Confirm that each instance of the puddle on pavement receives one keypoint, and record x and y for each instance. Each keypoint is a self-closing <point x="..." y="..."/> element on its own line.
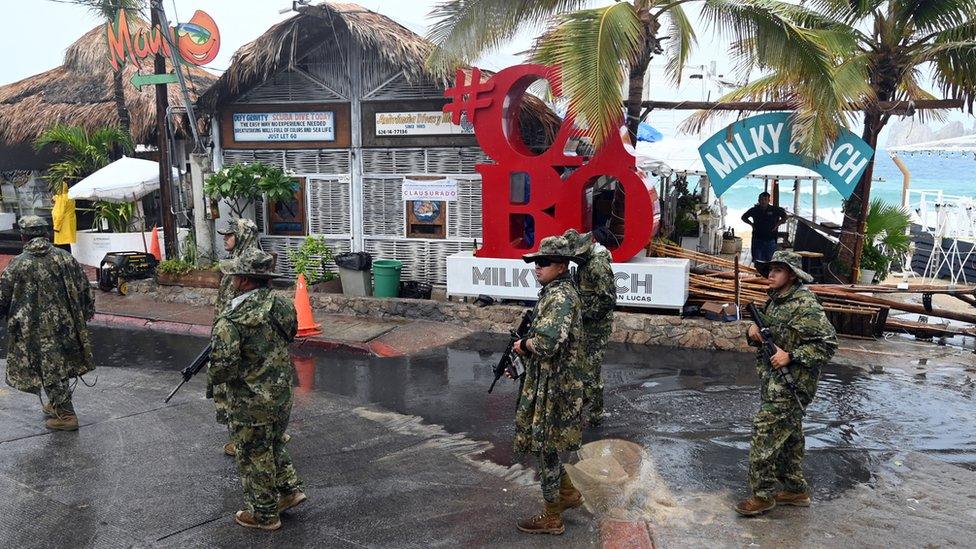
<point x="691" y="410"/>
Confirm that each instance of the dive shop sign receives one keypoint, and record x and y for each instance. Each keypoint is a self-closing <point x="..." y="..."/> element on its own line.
<point x="641" y="282"/>
<point x="766" y="140"/>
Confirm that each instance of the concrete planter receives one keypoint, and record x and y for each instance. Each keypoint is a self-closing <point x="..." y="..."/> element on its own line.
<point x="333" y="286"/>
<point x="193" y="279"/>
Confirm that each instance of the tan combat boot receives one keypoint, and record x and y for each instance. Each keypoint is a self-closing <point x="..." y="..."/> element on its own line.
<point x="230" y="449"/>
<point x="754" y="506"/>
<point x="291" y="500"/>
<point x="547" y="522"/>
<point x="796" y="499"/>
<point x="48" y="410"/>
<point x="569" y="496"/>
<point x="63" y="422"/>
<point x="247" y="520"/>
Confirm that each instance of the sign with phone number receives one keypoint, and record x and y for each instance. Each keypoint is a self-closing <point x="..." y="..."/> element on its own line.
<point x="399" y="124"/>
<point x="284" y="126"/>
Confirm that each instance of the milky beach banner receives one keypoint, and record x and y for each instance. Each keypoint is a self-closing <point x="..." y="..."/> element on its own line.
<point x="767" y="139"/>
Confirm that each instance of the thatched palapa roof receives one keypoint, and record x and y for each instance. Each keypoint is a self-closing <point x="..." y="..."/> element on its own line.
<point x="79" y="92"/>
<point x="286" y="42"/>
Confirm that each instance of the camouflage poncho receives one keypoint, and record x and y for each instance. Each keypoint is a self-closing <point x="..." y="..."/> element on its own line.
<point x="800" y="327"/>
<point x="250" y="355"/>
<point x="548" y="415"/>
<point x="597" y="291"/>
<point x="245" y="238"/>
<point x="47" y="300"/>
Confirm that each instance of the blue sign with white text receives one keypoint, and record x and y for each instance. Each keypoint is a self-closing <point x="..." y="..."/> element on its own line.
<point x="766" y="140"/>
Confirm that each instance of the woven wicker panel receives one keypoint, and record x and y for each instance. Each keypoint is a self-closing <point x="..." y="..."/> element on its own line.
<point x="402" y="89"/>
<point x="232" y="157"/>
<point x="423" y="260"/>
<point x="303" y="162"/>
<point x="271" y="158"/>
<point x="444" y="160"/>
<point x="464" y="216"/>
<point x="329" y="212"/>
<point x="289" y="86"/>
<point x="259" y="213"/>
<point x="282" y="245"/>
<point x="379" y="161"/>
<point x="383" y="206"/>
<point x="410" y="161"/>
<point x="334" y="161"/>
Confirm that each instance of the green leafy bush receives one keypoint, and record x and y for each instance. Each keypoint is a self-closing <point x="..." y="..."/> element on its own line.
<point x="886" y="237"/>
<point x="118" y="215"/>
<point x="175" y="267"/>
<point x="311" y="260"/>
<point x="241" y="184"/>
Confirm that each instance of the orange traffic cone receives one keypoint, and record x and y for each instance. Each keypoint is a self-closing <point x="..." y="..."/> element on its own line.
<point x="306" y="324"/>
<point x="305" y="368"/>
<point x="154" y="245"/>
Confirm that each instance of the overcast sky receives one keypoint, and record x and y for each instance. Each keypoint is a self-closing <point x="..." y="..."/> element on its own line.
<point x="36" y="33"/>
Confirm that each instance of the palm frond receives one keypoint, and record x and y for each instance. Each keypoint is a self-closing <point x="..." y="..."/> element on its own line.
<point x="72" y="138"/>
<point x="887" y="226"/>
<point x="592" y="48"/>
<point x="933" y="16"/>
<point x="681" y="40"/>
<point x="464" y="29"/>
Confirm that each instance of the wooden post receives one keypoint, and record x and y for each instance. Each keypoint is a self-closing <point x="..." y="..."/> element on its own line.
<point x="775" y="192"/>
<point x="905" y="179"/>
<point x="738" y="312"/>
<point x="165" y="171"/>
<point x="813" y="217"/>
<point x="796" y="197"/>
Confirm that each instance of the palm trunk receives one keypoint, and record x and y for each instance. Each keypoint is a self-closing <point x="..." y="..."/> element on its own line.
<point x="118" y="95"/>
<point x="635" y="86"/>
<point x="856" y="208"/>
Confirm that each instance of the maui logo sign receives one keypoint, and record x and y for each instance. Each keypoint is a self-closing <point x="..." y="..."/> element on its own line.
<point x="198" y="40"/>
<point x="766" y="140"/>
<point x="528" y="195"/>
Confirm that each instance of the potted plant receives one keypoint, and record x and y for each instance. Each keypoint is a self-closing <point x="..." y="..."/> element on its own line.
<point x="191" y="269"/>
<point x="241" y="184"/>
<point x="886" y="238"/>
<point x="314" y="260"/>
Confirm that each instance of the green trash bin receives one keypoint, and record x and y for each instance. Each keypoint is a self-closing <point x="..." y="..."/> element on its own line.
<point x="386" y="277"/>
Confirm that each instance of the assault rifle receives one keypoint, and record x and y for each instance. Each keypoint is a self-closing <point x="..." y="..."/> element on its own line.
<point x="192" y="370"/>
<point x="510" y="362"/>
<point x="768" y="349"/>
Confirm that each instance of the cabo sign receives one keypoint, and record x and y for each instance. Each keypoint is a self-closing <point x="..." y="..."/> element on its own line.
<point x="767" y="140"/>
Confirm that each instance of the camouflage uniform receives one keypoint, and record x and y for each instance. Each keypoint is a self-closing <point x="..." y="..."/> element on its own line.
<point x="250" y="355"/>
<point x="245" y="239"/>
<point x="547" y="420"/>
<point x="598" y="294"/>
<point x="47" y="300"/>
<point x="800" y="327"/>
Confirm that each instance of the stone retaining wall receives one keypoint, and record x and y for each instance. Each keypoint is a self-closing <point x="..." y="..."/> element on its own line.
<point x="636" y="328"/>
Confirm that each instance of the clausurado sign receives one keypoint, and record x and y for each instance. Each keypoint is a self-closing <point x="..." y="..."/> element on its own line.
<point x="641" y="282"/>
<point x="766" y="140"/>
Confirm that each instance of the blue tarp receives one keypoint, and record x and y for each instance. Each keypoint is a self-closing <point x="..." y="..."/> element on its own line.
<point x="646" y="132"/>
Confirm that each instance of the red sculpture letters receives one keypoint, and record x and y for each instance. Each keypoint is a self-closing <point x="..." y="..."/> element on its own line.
<point x="528" y="196"/>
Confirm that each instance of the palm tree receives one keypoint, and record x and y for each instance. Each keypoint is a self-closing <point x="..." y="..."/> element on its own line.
<point x="881" y="51"/>
<point x="593" y="47"/>
<point x="82" y="152"/>
<point x="109" y="9"/>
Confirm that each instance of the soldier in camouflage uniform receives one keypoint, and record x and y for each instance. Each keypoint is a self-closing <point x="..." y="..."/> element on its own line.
<point x="547" y="420"/>
<point x="48" y="301"/>
<point x="598" y="294"/>
<point x="805" y="341"/>
<point x="240" y="236"/>
<point x="250" y="355"/>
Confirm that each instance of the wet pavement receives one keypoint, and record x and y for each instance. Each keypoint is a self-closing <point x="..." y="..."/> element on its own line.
<point x="411" y="451"/>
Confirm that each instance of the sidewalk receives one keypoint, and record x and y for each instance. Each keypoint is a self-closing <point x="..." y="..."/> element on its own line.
<point x="376" y="337"/>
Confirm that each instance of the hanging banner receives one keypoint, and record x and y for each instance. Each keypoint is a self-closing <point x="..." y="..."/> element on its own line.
<point x="284" y="126"/>
<point x="445" y="190"/>
<point x="766" y="140"/>
<point x="197" y="40"/>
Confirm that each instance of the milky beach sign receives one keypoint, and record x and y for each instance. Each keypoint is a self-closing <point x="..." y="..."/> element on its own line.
<point x="766" y="140"/>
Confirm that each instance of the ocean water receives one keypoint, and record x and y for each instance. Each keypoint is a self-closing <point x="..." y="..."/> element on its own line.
<point x="954" y="176"/>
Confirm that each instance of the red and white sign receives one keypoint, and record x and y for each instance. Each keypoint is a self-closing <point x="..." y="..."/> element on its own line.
<point x="444" y="190"/>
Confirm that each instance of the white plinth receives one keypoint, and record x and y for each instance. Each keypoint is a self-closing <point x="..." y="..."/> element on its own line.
<point x="641" y="282"/>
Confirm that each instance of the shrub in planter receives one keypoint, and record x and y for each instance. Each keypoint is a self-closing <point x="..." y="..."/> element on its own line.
<point x="177" y="272"/>
<point x="313" y="259"/>
<point x="885" y="237"/>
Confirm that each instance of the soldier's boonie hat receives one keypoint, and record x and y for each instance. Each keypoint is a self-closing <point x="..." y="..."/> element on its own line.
<point x="254" y="263"/>
<point x="581" y="243"/>
<point x="792" y="262"/>
<point x="236" y="226"/>
<point x="554" y="248"/>
<point x="32" y="224"/>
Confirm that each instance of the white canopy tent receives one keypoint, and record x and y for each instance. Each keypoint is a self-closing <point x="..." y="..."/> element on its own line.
<point x="125" y="180"/>
<point x="955" y="145"/>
